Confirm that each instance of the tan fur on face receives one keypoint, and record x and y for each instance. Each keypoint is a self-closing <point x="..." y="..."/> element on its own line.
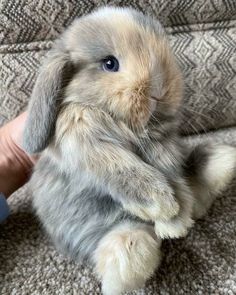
<point x="173" y="83"/>
<point x="147" y="73"/>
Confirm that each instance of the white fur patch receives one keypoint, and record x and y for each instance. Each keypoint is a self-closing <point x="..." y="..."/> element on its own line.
<point x="176" y="228"/>
<point x="220" y="168"/>
<point x="112" y="12"/>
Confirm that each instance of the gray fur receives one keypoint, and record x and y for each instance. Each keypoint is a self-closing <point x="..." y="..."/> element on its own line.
<point x="205" y="189"/>
<point x="148" y="23"/>
<point x="44" y="102"/>
<point x="74" y="217"/>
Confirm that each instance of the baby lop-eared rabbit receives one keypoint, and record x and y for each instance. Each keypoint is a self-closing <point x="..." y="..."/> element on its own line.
<point x="113" y="178"/>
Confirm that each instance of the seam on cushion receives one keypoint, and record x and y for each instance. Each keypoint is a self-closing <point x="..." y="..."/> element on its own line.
<point x="207" y="23"/>
<point x="185" y="28"/>
<point x="209" y="130"/>
<point x="172" y="30"/>
<point x="24" y="47"/>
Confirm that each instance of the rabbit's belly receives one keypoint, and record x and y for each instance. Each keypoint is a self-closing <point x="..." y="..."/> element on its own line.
<point x="79" y="231"/>
<point x="75" y="216"/>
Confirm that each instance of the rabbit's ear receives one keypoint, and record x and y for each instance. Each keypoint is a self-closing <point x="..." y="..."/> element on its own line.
<point x="45" y="99"/>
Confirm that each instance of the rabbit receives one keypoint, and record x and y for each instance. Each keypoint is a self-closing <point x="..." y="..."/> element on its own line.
<point x="114" y="178"/>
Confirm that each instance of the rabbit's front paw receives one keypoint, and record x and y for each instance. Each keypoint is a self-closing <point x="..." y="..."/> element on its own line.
<point x="165" y="201"/>
<point x="143" y="211"/>
<point x="157" y="205"/>
<point x="175" y="228"/>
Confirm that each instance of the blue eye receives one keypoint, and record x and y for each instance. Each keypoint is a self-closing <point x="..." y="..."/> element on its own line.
<point x="110" y="64"/>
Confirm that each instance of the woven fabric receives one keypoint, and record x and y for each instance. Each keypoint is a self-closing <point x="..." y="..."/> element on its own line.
<point x="203" y="37"/>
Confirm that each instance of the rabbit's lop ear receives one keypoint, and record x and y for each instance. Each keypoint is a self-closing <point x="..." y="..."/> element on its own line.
<point x="45" y="99"/>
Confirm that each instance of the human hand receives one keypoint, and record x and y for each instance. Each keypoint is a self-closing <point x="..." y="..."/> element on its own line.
<point x="15" y="164"/>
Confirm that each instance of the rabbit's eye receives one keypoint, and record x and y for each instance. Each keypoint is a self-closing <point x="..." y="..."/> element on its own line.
<point x="110" y="64"/>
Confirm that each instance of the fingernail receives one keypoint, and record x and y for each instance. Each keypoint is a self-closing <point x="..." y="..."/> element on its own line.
<point x="4" y="208"/>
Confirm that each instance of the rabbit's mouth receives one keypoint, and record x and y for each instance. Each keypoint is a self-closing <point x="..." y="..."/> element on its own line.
<point x="132" y="105"/>
<point x="140" y="111"/>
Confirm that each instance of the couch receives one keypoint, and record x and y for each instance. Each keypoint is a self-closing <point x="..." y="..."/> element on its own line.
<point x="203" y="37"/>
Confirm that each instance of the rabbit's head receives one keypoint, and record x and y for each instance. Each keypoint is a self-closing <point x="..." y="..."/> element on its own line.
<point x="115" y="59"/>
